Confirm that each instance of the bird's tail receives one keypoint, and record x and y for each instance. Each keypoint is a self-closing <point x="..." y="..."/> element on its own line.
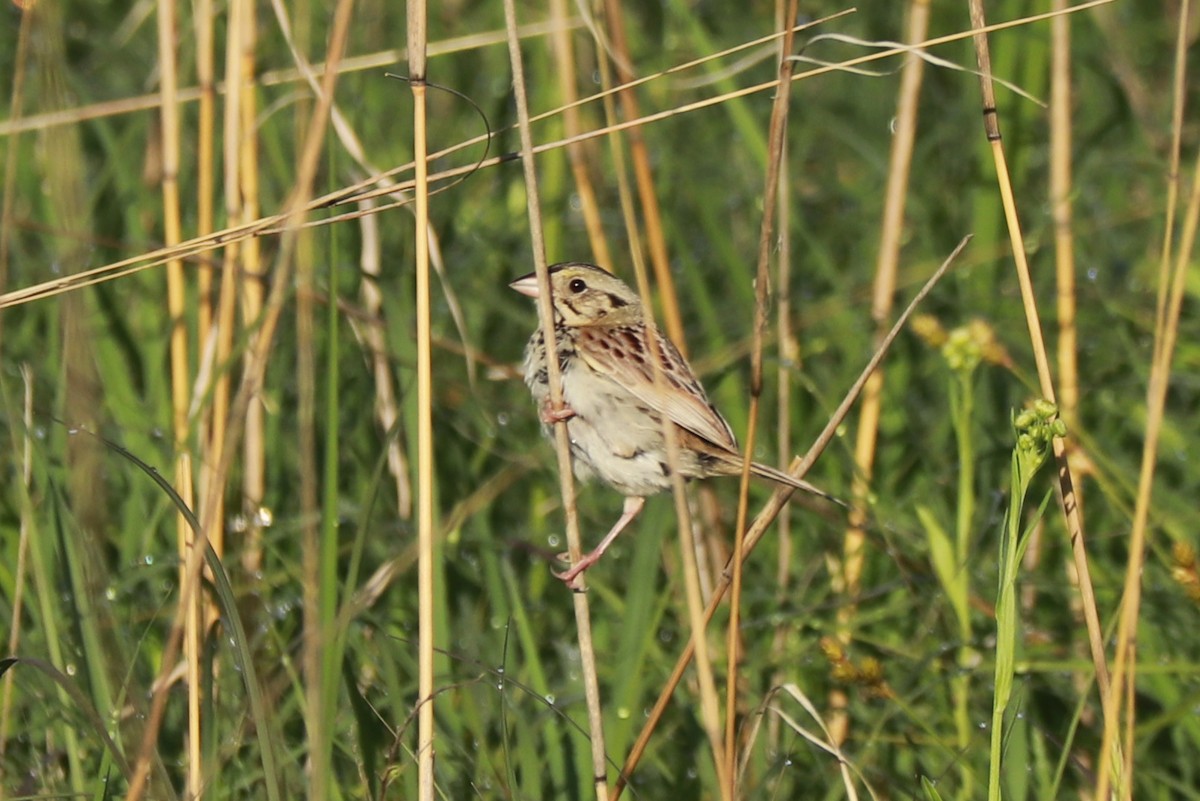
<point x="780" y="477"/>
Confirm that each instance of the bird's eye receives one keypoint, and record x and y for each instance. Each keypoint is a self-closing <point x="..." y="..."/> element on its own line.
<point x="577" y="285"/>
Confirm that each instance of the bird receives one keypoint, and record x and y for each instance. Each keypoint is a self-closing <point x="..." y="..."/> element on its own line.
<point x="613" y="406"/>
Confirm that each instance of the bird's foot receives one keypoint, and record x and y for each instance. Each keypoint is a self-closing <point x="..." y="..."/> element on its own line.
<point x="551" y="415"/>
<point x="573" y="577"/>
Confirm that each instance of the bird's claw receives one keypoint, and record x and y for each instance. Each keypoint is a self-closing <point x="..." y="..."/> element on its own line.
<point x="573" y="576"/>
<point x="551" y="415"/>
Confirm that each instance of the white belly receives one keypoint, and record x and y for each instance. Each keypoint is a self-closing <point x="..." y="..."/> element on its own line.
<point x="613" y="436"/>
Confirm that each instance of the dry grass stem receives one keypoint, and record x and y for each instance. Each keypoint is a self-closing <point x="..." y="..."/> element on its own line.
<point x="272" y="223"/>
<point x="417" y="36"/>
<point x="252" y="379"/>
<point x="767" y="515"/>
<point x="1119" y="696"/>
<point x="583" y="624"/>
<point x="1069" y="505"/>
<point x="775" y="153"/>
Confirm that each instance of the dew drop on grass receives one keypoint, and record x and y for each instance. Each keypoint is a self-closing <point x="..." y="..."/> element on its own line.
<point x="553" y="541"/>
<point x="264" y="517"/>
<point x="70" y="670"/>
<point x="623" y="713"/>
<point x="502" y="419"/>
<point x="551" y="698"/>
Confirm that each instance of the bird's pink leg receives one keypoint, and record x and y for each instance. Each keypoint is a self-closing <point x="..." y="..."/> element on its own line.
<point x="633" y="505"/>
<point x="550" y="415"/>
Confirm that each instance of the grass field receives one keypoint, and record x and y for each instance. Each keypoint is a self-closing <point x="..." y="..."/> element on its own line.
<point x="272" y="477"/>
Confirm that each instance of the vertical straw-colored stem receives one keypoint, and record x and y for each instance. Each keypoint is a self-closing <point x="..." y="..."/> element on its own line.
<point x="1061" y="114"/>
<point x="316" y="637"/>
<point x="180" y="394"/>
<point x="1070" y="506"/>
<point x="775" y="151"/>
<point x="754" y="533"/>
<point x="564" y="56"/>
<point x="252" y="289"/>
<point x="202" y="23"/>
<point x="789" y="362"/>
<point x="1060" y="199"/>
<point x="710" y="715"/>
<point x="583" y="622"/>
<point x="234" y="129"/>
<point x="891" y="234"/>
<point x="644" y="177"/>
<point x="425" y="543"/>
<point x="1173" y="275"/>
<point x="258" y="350"/>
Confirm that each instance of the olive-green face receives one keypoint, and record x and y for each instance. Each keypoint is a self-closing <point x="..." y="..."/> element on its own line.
<point x="585" y="295"/>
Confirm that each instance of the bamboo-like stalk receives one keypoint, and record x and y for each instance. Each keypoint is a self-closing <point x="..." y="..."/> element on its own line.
<point x="583" y="624"/>
<point x="213" y="449"/>
<point x="425" y="478"/>
<point x="767" y="515"/>
<point x="656" y="240"/>
<point x="252" y="379"/>
<point x="1070" y="507"/>
<point x="1173" y="275"/>
<point x="203" y="21"/>
<point x="180" y="389"/>
<point x="564" y="56"/>
<point x="1060" y="201"/>
<point x="1061" y="114"/>
<point x="251" y="291"/>
<point x="317" y="636"/>
<point x="789" y="362"/>
<point x="775" y="151"/>
<point x="891" y="236"/>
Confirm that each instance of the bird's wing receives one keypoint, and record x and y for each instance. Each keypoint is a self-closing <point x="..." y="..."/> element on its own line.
<point x="622" y="354"/>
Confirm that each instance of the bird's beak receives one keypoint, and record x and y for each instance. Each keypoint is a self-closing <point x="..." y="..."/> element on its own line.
<point x="527" y="285"/>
